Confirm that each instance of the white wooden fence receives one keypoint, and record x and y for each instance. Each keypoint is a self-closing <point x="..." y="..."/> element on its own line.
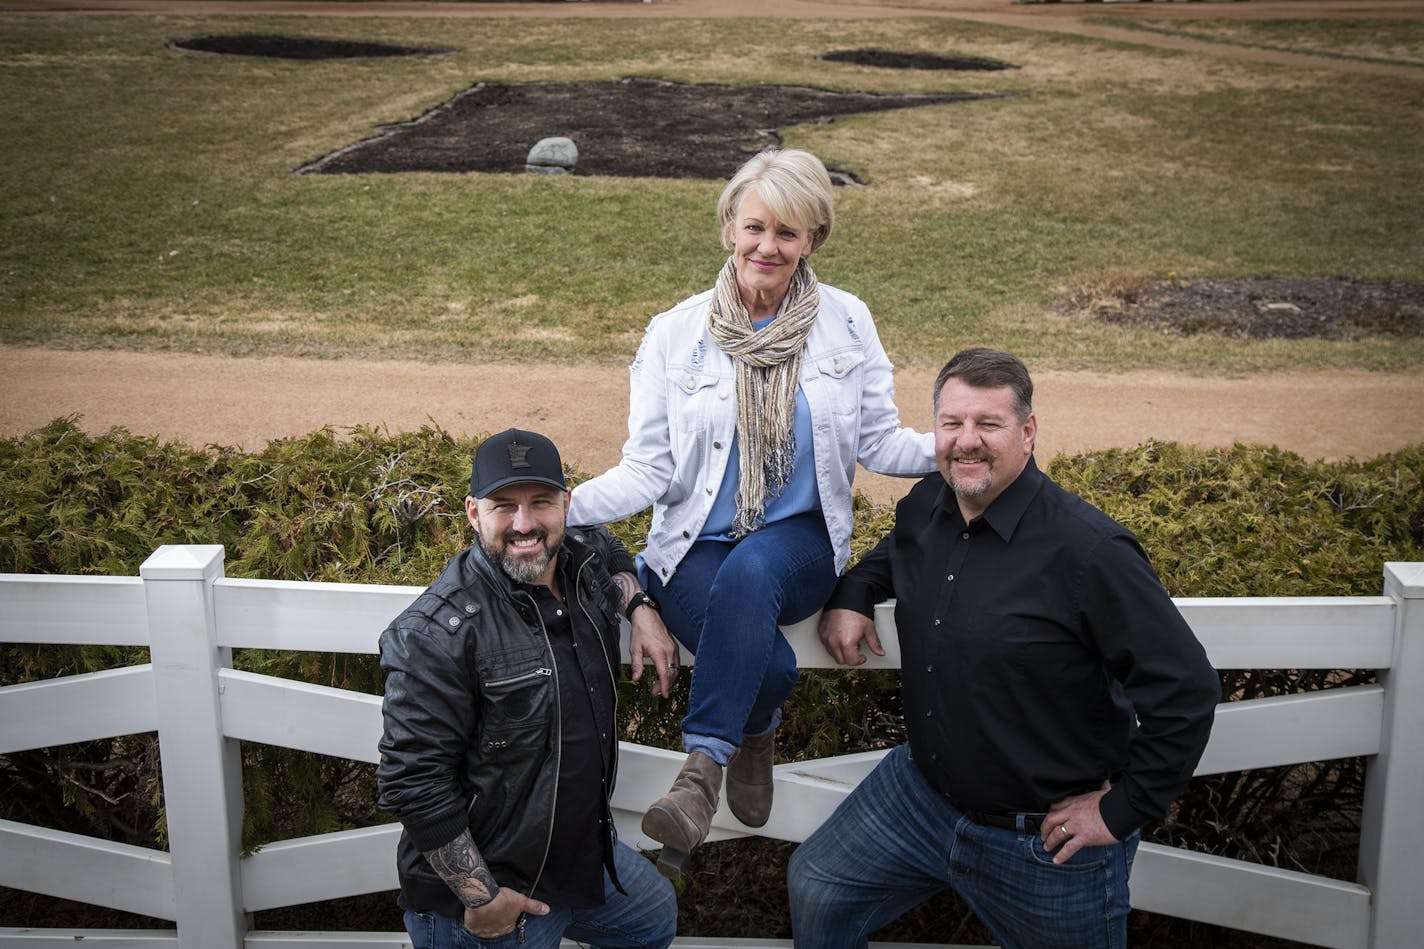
<point x="191" y="618"/>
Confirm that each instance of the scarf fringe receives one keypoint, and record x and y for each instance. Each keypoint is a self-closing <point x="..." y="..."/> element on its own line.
<point x="768" y="375"/>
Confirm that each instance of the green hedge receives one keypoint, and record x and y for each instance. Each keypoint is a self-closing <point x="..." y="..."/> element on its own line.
<point x="369" y="507"/>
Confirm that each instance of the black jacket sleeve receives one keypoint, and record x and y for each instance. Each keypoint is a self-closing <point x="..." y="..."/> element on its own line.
<point x="429" y="711"/>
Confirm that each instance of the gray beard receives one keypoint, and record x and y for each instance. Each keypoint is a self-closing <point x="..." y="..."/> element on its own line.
<point x="520" y="570"/>
<point x="975" y="490"/>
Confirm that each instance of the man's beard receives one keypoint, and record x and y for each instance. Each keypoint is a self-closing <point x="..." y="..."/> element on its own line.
<point x="522" y="569"/>
<point x="972" y="489"/>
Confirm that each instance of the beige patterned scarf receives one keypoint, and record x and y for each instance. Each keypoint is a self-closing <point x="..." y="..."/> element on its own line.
<point x="768" y="373"/>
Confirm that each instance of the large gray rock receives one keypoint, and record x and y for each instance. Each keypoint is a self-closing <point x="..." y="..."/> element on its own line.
<point x="552" y="156"/>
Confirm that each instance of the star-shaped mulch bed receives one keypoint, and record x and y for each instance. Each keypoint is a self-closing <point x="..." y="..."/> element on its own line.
<point x="628" y="128"/>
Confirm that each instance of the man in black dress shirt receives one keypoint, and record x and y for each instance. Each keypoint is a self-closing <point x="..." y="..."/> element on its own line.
<point x="1055" y="699"/>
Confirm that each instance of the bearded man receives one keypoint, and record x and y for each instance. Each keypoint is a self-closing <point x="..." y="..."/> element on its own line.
<point x="500" y="745"/>
<point x="1055" y="700"/>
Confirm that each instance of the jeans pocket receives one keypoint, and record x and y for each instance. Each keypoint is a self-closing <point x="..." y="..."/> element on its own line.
<point x="1088" y="858"/>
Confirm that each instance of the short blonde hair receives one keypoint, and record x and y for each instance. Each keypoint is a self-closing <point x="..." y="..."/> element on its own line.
<point x="793" y="183"/>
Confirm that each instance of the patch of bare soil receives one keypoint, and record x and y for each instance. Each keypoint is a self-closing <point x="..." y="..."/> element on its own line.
<point x="297" y="47"/>
<point x="896" y="59"/>
<point x="629" y="128"/>
<point x="1337" y="308"/>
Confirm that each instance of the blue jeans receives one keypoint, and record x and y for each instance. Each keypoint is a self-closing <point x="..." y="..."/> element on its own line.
<point x="646" y="918"/>
<point x="896" y="841"/>
<point x="725" y="603"/>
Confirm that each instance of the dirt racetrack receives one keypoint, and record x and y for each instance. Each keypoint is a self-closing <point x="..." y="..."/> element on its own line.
<point x="234" y="401"/>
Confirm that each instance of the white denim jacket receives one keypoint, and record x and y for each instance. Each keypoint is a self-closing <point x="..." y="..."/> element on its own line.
<point x="682" y="416"/>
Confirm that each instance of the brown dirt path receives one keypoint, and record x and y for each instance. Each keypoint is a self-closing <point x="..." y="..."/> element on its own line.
<point x="246" y="402"/>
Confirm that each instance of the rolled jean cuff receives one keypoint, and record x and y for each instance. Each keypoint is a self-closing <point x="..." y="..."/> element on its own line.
<point x="715" y="748"/>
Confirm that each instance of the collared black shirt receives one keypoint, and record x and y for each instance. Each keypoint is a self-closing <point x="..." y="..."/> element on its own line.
<point x="1040" y="654"/>
<point x="573" y="870"/>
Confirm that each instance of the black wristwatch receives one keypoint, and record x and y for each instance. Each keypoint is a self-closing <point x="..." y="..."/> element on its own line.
<point x="638" y="599"/>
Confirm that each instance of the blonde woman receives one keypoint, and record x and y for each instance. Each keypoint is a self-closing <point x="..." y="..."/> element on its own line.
<point x="750" y="405"/>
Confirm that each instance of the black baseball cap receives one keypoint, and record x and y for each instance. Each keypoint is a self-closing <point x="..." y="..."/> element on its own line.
<point x="513" y="456"/>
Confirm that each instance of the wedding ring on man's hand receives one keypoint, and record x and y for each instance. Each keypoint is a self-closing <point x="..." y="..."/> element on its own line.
<point x="672" y="666"/>
<point x="1063" y="829"/>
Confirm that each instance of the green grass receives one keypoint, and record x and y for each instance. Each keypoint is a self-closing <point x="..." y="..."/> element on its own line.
<point x="148" y="199"/>
<point x="1375" y="41"/>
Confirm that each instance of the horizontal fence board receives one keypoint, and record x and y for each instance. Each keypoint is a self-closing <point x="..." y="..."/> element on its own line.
<point x="100" y="872"/>
<point x="1291" y="729"/>
<point x="321" y="867"/>
<point x="277" y="940"/>
<point x="300" y="615"/>
<point x="300" y="715"/>
<point x="1293" y="632"/>
<point x="1258" y="899"/>
<point x="98" y="611"/>
<point x="262" y="939"/>
<point x="29" y="938"/>
<point x="77" y="708"/>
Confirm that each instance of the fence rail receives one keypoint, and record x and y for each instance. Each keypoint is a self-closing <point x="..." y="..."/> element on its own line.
<point x="191" y="618"/>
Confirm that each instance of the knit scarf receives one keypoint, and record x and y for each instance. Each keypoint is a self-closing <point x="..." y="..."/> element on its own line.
<point x="768" y="371"/>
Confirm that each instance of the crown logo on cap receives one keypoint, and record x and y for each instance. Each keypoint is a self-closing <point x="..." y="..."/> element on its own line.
<point x="519" y="456"/>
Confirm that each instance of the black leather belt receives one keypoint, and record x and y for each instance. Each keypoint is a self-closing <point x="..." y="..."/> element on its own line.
<point x="1031" y="822"/>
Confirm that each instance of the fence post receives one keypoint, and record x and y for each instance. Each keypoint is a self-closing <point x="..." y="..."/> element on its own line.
<point x="202" y="770"/>
<point x="1391" y="835"/>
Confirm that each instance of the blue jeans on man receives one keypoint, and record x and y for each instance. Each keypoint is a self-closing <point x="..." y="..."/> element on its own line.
<point x="738" y="594"/>
<point x="896" y="841"/>
<point x="645" y="917"/>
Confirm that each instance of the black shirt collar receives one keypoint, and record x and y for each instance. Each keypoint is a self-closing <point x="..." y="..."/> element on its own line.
<point x="1008" y="508"/>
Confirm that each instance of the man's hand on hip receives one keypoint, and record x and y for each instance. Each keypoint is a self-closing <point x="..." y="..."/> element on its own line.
<point x="1074" y="823"/>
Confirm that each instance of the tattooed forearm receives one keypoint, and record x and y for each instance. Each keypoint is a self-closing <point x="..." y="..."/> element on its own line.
<point x="463" y="870"/>
<point x="627" y="586"/>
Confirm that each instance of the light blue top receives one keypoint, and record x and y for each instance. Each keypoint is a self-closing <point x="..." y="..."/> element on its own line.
<point x="799" y="496"/>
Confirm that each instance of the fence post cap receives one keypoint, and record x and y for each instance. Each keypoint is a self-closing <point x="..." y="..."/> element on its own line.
<point x="1404" y="579"/>
<point x="184" y="562"/>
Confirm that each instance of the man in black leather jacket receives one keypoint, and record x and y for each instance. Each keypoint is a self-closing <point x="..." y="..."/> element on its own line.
<point x="500" y="746"/>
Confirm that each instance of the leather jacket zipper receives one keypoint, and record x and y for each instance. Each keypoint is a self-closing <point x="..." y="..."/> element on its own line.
<point x="536" y="673"/>
<point x="613" y="681"/>
<point x="558" y="745"/>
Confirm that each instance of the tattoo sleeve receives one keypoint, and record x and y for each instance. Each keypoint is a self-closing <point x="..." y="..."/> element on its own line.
<point x="627" y="586"/>
<point x="463" y="869"/>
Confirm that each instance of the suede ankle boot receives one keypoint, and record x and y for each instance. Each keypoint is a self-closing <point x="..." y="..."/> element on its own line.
<point x="749" y="779"/>
<point x="681" y="818"/>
